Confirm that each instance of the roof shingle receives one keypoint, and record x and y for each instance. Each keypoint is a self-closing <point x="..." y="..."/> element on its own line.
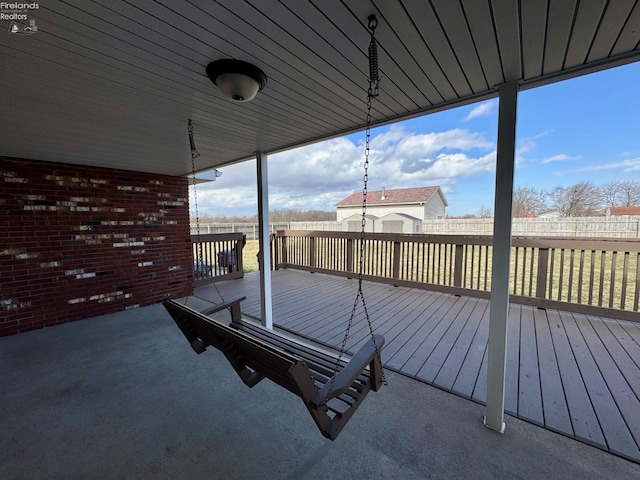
<point x="402" y="195"/>
<point x="624" y="210"/>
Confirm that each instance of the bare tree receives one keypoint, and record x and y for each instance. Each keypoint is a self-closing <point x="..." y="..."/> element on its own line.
<point x="621" y="193"/>
<point x="528" y="201"/>
<point x="579" y="200"/>
<point x="485" y="212"/>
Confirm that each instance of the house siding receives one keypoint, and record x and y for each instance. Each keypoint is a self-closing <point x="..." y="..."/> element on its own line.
<point x="434" y="208"/>
<point x="415" y="210"/>
<point x="76" y="242"/>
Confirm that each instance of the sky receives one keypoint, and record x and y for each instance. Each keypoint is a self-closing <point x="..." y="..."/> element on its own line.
<point x="585" y="128"/>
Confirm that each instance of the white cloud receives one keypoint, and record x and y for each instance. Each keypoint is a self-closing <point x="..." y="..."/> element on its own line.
<point x="560" y="158"/>
<point x="482" y="110"/>
<point x="627" y="166"/>
<point x="320" y="175"/>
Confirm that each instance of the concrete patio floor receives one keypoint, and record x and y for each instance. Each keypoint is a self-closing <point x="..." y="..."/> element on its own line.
<point x="124" y="396"/>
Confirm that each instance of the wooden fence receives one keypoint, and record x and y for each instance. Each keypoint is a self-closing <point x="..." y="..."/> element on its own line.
<point x="596" y="276"/>
<point x="569" y="227"/>
<point x="217" y="256"/>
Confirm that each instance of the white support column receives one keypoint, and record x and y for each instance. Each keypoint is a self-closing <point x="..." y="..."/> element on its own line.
<point x="499" y="303"/>
<point x="264" y="255"/>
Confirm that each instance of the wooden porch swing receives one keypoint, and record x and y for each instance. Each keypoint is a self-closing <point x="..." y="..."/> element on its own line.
<point x="332" y="385"/>
<point x="256" y="353"/>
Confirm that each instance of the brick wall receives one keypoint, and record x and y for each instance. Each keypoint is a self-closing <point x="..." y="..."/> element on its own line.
<point x="77" y="242"/>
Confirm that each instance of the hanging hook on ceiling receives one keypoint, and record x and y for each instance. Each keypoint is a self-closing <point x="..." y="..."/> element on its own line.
<point x="374" y="74"/>
<point x="192" y="143"/>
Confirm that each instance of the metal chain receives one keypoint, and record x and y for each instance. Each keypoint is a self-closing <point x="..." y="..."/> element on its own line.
<point x="372" y="92"/>
<point x="194" y="154"/>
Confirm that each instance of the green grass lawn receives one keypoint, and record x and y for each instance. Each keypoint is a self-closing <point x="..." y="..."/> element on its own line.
<point x="249" y="256"/>
<point x="577" y="276"/>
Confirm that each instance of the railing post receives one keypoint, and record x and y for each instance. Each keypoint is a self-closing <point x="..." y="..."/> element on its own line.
<point x="543" y="267"/>
<point x="283" y="248"/>
<point x="457" y="270"/>
<point x="349" y="265"/>
<point x="238" y="252"/>
<point x="396" y="259"/>
<point x="312" y="252"/>
<point x="273" y="245"/>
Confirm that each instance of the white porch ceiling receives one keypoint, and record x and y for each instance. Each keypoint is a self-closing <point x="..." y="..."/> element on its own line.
<point x="112" y="83"/>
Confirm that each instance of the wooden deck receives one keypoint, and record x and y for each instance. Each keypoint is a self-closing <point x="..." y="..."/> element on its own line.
<point x="571" y="373"/>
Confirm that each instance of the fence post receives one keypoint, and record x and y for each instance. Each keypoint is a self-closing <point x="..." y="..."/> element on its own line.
<point x="543" y="266"/>
<point x="457" y="270"/>
<point x="396" y="259"/>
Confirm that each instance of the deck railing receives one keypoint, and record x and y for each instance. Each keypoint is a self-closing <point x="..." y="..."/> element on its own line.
<point x="596" y="276"/>
<point x="217" y="256"/>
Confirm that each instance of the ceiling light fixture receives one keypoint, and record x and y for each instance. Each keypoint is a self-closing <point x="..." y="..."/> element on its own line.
<point x="238" y="80"/>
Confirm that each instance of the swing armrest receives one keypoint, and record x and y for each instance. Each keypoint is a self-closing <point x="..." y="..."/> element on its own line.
<point x="343" y="379"/>
<point x="222" y="306"/>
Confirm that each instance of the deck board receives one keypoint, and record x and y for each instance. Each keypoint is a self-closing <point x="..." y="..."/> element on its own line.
<point x="629" y="345"/>
<point x="617" y="435"/>
<point x="400" y="342"/>
<point x="513" y="361"/>
<point x="480" y="388"/>
<point x="444" y="346"/>
<point x="529" y="394"/>
<point x="622" y="360"/>
<point x="453" y="364"/>
<point x="390" y="327"/>
<point x="413" y="343"/>
<point x="380" y="307"/>
<point x="574" y="374"/>
<point x="426" y="349"/>
<point x="623" y="395"/>
<point x="586" y="427"/>
<point x="554" y="403"/>
<point x="468" y="376"/>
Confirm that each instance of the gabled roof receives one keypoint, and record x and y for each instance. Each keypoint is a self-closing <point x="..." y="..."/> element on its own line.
<point x="392" y="197"/>
<point x="623" y="210"/>
<point x="358" y="216"/>
<point x="401" y="215"/>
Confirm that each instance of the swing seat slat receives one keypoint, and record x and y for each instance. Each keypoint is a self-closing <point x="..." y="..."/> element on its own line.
<point x="257" y="353"/>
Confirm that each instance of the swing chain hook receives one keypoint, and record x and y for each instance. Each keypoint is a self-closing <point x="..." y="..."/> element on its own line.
<point x="200" y="265"/>
<point x="192" y="143"/>
<point x="200" y="262"/>
<point x="372" y="92"/>
<point x="373" y="23"/>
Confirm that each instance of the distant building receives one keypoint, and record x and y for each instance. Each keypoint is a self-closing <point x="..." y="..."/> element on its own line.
<point x="549" y="214"/>
<point x="398" y="223"/>
<point x="424" y="203"/>
<point x="353" y="223"/>
<point x="617" y="211"/>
